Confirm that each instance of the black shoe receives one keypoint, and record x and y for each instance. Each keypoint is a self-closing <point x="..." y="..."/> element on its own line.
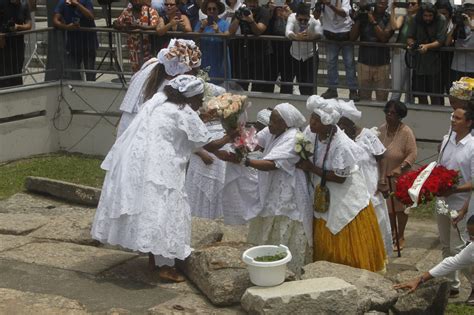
<point x="354" y="95"/>
<point x="330" y="93"/>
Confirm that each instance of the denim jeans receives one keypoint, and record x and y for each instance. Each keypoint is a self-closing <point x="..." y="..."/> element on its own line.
<point x="332" y="53"/>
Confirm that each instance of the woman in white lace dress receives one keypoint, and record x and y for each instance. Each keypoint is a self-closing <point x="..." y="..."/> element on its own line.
<point x="153" y="77"/>
<point x="348" y="232"/>
<point x="369" y="164"/>
<point x="143" y="205"/>
<point x="283" y="214"/>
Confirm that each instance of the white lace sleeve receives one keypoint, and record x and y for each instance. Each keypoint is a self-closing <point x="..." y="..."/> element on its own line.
<point x="263" y="136"/>
<point x="371" y="143"/>
<point x="343" y="172"/>
<point x="196" y="131"/>
<point x="342" y="153"/>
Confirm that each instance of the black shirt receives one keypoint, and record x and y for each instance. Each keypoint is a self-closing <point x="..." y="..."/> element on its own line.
<point x="11" y="14"/>
<point x="370" y="55"/>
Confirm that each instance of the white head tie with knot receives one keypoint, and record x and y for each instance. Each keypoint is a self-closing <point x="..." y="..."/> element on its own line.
<point x="349" y="110"/>
<point x="326" y="109"/>
<point x="291" y="115"/>
<point x="263" y="116"/>
<point x="180" y="57"/>
<point x="188" y="85"/>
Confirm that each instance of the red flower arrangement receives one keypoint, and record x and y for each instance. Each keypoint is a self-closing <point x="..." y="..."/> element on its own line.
<point x="440" y="181"/>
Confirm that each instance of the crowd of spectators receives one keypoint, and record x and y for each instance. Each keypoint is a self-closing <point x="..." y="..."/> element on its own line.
<point x="422" y="28"/>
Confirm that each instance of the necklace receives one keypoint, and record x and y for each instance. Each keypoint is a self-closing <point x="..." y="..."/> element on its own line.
<point x="394" y="136"/>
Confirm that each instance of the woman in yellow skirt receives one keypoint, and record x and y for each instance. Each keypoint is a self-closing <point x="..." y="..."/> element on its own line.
<point x="348" y="232"/>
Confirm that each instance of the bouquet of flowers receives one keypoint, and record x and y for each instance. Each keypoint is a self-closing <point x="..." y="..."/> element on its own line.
<point x="228" y="107"/>
<point x="439" y="182"/>
<point x="246" y="142"/>
<point x="303" y="147"/>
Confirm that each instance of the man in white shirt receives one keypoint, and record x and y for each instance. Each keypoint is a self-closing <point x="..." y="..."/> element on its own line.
<point x="463" y="260"/>
<point x="336" y="26"/>
<point x="300" y="27"/>
<point x="457" y="153"/>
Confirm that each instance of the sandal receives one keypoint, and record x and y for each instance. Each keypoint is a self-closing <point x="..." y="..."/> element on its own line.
<point x="401" y="243"/>
<point x="170" y="274"/>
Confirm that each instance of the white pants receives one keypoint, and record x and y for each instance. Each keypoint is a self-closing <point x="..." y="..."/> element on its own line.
<point x="452" y="244"/>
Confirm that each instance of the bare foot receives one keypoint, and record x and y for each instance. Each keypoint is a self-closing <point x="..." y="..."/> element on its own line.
<point x="170" y="274"/>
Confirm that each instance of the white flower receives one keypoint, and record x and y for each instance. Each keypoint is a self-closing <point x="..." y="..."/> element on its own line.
<point x="309" y="147"/>
<point x="299" y="137"/>
<point x="453" y="214"/>
<point x="442" y="207"/>
<point x="298" y="148"/>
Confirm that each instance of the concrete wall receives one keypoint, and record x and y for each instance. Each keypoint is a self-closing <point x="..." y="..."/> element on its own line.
<point x="91" y="134"/>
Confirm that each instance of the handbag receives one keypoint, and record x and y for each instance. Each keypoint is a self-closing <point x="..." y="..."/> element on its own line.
<point x="322" y="196"/>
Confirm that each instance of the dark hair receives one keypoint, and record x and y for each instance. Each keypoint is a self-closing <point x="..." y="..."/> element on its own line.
<point x="175" y="96"/>
<point x="426" y="7"/>
<point x="470" y="221"/>
<point x="303" y="9"/>
<point x="444" y="4"/>
<point x="399" y="107"/>
<point x="219" y="4"/>
<point x="469" y="115"/>
<point x="154" y="81"/>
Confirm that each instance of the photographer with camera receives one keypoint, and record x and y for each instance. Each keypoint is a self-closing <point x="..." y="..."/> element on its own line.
<point x="70" y="16"/>
<point x="248" y="55"/>
<point x="14" y="17"/>
<point x="373" y="25"/>
<point x="337" y="24"/>
<point x="424" y="36"/>
<point x="402" y="23"/>
<point x="463" y="37"/>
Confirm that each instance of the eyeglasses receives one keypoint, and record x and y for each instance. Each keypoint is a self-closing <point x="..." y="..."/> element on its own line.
<point x="170" y="4"/>
<point x="211" y="8"/>
<point x="390" y="112"/>
<point x="412" y="4"/>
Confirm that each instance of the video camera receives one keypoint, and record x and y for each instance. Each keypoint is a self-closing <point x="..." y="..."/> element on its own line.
<point x="242" y="11"/>
<point x="360" y="10"/>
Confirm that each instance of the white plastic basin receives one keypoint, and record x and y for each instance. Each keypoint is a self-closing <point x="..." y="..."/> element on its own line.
<point x="266" y="274"/>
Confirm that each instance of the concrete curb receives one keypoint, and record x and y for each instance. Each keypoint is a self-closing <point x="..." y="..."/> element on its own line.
<point x="84" y="195"/>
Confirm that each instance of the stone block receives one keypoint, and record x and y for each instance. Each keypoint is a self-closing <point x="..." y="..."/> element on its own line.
<point x="19" y="302"/>
<point x="312" y="296"/>
<point x="204" y="232"/>
<point x="68" y="256"/>
<point x="80" y="194"/>
<point x="11" y="241"/>
<point x="218" y="271"/>
<point x="375" y="292"/>
<point x="21" y="224"/>
<point x="190" y="304"/>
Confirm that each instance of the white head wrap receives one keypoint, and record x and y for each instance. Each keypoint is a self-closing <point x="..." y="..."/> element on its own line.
<point x="180" y="57"/>
<point x="189" y="85"/>
<point x="263" y="116"/>
<point x="349" y="110"/>
<point x="327" y="110"/>
<point x="291" y="115"/>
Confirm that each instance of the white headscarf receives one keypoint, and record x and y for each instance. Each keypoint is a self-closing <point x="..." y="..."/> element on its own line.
<point x="263" y="116"/>
<point x="189" y="85"/>
<point x="349" y="110"/>
<point x="327" y="110"/>
<point x="291" y="115"/>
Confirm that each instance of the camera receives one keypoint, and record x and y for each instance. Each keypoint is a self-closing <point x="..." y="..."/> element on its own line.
<point x="403" y="5"/>
<point x="361" y="10"/>
<point x="242" y="11"/>
<point x="415" y="47"/>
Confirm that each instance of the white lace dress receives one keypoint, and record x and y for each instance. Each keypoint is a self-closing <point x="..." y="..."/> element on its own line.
<point x="204" y="183"/>
<point x="144" y="206"/>
<point x="284" y="213"/>
<point x="372" y="146"/>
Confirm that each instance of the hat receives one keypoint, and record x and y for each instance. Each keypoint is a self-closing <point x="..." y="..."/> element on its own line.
<point x="263" y="116"/>
<point x="349" y="110"/>
<point x="326" y="109"/>
<point x="291" y="115"/>
<point x="220" y="6"/>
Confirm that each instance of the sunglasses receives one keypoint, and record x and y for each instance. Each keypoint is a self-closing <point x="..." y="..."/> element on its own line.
<point x="412" y="4"/>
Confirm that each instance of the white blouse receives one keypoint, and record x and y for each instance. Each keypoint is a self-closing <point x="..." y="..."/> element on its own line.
<point x="348" y="198"/>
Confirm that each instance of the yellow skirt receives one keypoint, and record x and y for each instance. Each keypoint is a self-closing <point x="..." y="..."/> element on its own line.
<point x="359" y="244"/>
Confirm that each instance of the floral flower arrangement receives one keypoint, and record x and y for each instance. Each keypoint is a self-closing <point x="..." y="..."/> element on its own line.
<point x="439" y="182"/>
<point x="186" y="51"/>
<point x="228" y="107"/>
<point x="303" y="147"/>
<point x="246" y="141"/>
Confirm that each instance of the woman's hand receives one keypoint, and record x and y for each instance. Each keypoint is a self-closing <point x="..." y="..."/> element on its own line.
<point x="411" y="285"/>
<point x="305" y="165"/>
<point x="215" y="27"/>
<point x="382" y="187"/>
<point x="461" y="215"/>
<point x="395" y="172"/>
<point x="206" y="158"/>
